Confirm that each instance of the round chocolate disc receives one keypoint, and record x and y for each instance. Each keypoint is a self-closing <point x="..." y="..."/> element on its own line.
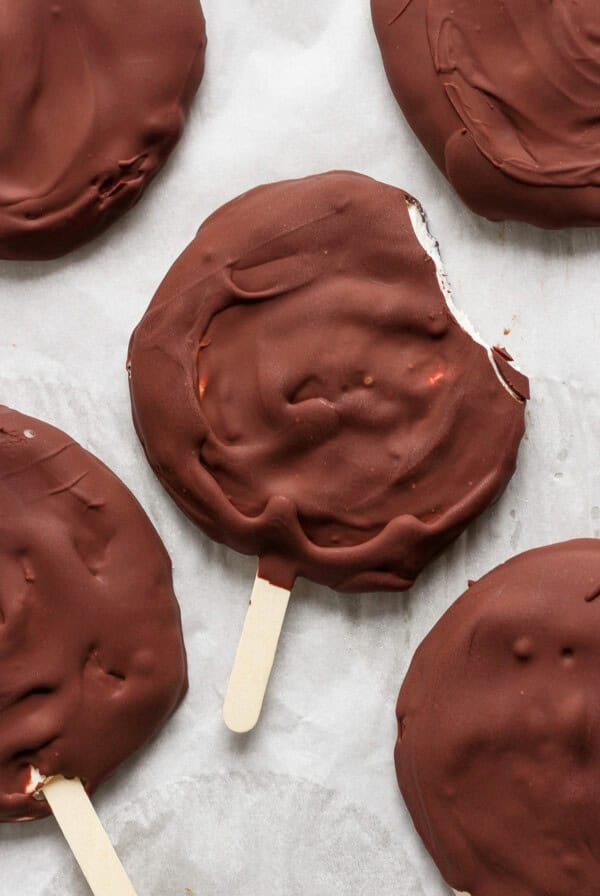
<point x="304" y="393"/>
<point x="504" y="96"/>
<point x="499" y="726"/>
<point x="91" y="652"/>
<point x="93" y="98"/>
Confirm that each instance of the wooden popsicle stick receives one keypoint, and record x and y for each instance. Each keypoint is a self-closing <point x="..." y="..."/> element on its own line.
<point x="255" y="656"/>
<point x="88" y="840"/>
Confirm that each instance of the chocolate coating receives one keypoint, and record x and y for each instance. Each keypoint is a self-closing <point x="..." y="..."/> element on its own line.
<point x="94" y="95"/>
<point x="91" y="652"/>
<point x="303" y="392"/>
<point x="499" y="727"/>
<point x="504" y="97"/>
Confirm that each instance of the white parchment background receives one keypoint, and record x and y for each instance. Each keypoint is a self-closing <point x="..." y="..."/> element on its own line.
<point x="308" y="803"/>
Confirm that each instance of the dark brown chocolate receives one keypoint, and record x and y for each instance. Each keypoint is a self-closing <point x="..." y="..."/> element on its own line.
<point x="499" y="727"/>
<point x="94" y="95"/>
<point x="304" y="394"/>
<point x="504" y="97"/>
<point x="91" y="652"/>
<point x="515" y="379"/>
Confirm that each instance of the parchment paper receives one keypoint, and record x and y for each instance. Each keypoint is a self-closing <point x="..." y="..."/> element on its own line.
<point x="308" y="803"/>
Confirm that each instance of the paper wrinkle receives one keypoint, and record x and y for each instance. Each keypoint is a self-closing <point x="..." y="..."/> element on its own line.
<point x="293" y="89"/>
<point x="342" y="849"/>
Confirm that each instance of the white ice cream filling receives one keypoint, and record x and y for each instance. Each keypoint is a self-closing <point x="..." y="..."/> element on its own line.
<point x="36" y="781"/>
<point x="431" y="247"/>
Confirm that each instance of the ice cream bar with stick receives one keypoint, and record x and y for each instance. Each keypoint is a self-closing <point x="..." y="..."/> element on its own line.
<point x="92" y="661"/>
<point x="306" y="392"/>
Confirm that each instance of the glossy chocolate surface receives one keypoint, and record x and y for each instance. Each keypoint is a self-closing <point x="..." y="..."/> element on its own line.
<point x="499" y="726"/>
<point x="93" y="98"/>
<point x="91" y="652"/>
<point x="304" y="394"/>
<point x="504" y="96"/>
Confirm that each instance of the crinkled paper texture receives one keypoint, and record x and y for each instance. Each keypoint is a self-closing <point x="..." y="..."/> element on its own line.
<point x="308" y="803"/>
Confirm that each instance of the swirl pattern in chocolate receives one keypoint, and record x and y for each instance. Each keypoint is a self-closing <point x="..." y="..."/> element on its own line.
<point x="499" y="725"/>
<point x="504" y="96"/>
<point x="94" y="95"/>
<point x="92" y="660"/>
<point x="304" y="393"/>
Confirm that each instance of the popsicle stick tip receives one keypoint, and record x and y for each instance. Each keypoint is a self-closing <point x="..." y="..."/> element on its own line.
<point x="255" y="656"/>
<point x="234" y="721"/>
